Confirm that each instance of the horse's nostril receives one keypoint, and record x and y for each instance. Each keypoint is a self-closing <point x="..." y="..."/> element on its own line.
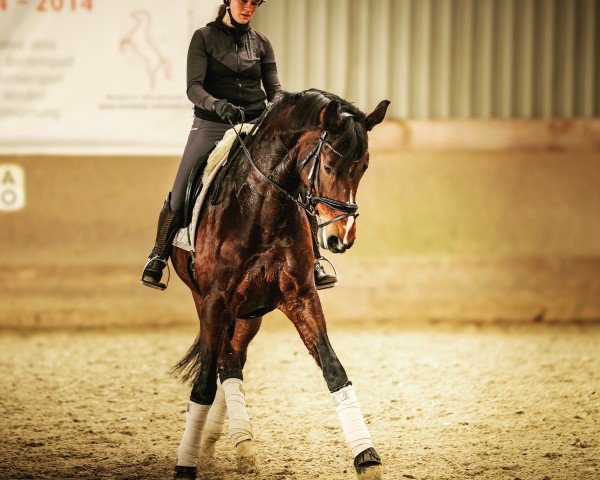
<point x="336" y="245"/>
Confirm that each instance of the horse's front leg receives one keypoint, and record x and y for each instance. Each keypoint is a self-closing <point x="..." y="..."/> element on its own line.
<point x="306" y="314"/>
<point x="241" y="335"/>
<point x="229" y="367"/>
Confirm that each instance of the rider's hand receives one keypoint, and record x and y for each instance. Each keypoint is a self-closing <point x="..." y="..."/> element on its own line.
<point x="228" y="111"/>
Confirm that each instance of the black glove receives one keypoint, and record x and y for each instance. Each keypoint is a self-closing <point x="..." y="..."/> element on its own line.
<point x="228" y="111"/>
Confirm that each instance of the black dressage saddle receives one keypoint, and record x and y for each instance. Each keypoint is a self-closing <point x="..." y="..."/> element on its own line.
<point x="194" y="185"/>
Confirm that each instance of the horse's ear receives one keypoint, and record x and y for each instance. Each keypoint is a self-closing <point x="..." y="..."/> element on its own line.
<point x="378" y="115"/>
<point x="330" y="116"/>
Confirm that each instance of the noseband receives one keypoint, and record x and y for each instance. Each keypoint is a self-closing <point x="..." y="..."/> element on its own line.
<point x="312" y="196"/>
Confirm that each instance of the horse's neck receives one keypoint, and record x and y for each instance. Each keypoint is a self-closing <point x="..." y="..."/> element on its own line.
<point x="276" y="162"/>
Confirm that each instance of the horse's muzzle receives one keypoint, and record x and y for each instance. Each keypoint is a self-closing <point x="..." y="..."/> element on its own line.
<point x="336" y="245"/>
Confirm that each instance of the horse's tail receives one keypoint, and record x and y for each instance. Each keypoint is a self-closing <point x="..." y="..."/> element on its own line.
<point x="188" y="367"/>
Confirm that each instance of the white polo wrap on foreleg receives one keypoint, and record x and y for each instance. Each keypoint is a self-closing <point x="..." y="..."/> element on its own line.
<point x="355" y="430"/>
<point x="215" y="421"/>
<point x="189" y="448"/>
<point x="239" y="422"/>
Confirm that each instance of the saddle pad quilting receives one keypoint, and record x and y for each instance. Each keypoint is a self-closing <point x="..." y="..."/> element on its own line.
<point x="184" y="238"/>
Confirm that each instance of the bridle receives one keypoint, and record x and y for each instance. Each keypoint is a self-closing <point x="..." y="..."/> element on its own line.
<point x="312" y="196"/>
<point x="311" y="199"/>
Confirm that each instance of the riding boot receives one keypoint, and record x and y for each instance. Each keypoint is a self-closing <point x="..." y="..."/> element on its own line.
<point x="168" y="223"/>
<point x="322" y="279"/>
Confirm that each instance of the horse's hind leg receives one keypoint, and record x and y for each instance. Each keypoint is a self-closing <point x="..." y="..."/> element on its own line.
<point x="307" y="316"/>
<point x="202" y="361"/>
<point x="241" y="334"/>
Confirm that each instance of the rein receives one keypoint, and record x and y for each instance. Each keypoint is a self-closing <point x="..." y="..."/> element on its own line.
<point x="311" y="198"/>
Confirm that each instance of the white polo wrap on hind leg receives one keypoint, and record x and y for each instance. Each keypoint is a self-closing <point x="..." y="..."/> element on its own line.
<point x="189" y="448"/>
<point x="213" y="429"/>
<point x="355" y="430"/>
<point x="239" y="422"/>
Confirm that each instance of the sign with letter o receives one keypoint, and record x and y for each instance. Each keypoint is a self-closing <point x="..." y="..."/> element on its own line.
<point x="12" y="188"/>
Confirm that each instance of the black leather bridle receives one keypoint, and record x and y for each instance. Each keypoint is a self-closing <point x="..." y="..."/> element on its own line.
<point x="312" y="196"/>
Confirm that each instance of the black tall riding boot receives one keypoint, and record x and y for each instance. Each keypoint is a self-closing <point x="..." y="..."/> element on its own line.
<point x="168" y="223"/>
<point x="322" y="279"/>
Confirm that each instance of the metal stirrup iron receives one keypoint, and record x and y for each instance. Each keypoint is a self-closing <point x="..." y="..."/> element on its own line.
<point x="159" y="286"/>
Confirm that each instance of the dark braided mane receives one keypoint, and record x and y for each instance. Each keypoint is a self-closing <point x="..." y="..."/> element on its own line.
<point x="302" y="110"/>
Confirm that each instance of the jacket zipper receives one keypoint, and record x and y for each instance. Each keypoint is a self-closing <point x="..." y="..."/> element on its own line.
<point x="237" y="51"/>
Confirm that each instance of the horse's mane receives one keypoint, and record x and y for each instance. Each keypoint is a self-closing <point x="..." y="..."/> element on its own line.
<point x="302" y="110"/>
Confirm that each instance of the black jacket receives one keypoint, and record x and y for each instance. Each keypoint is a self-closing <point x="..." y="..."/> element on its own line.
<point x="223" y="65"/>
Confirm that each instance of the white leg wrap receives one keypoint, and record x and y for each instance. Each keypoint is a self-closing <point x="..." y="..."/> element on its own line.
<point x="213" y="429"/>
<point x="189" y="448"/>
<point x="239" y="422"/>
<point x="356" y="432"/>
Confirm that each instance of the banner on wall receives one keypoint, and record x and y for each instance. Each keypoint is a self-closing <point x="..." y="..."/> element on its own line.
<point x="86" y="77"/>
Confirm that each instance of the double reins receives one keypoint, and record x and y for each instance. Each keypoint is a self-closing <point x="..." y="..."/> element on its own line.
<point x="312" y="196"/>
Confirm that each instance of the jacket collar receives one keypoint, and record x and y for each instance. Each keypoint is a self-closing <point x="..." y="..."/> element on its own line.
<point x="235" y="32"/>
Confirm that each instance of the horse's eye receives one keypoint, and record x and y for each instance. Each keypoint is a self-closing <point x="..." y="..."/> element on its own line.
<point x="327" y="169"/>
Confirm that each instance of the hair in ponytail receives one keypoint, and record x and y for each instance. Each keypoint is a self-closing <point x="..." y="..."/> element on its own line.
<point x="222" y="11"/>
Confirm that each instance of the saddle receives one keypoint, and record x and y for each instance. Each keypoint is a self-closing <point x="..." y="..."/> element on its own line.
<point x="195" y="180"/>
<point x="210" y="169"/>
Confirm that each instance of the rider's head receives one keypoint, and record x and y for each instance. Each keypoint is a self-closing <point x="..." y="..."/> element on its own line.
<point x="238" y="12"/>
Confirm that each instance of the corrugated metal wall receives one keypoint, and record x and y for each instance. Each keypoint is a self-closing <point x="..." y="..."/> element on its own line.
<point x="443" y="58"/>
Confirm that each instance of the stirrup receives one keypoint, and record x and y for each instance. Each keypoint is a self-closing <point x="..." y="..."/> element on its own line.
<point x="329" y="262"/>
<point x="331" y="285"/>
<point x="157" y="285"/>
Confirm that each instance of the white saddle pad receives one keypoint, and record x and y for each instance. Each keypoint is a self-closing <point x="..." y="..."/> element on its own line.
<point x="218" y="158"/>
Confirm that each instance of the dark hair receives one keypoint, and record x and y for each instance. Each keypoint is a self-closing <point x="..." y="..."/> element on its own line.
<point x="305" y="110"/>
<point x="222" y="10"/>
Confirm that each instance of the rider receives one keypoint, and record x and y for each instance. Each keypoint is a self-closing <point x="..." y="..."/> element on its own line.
<point x="227" y="61"/>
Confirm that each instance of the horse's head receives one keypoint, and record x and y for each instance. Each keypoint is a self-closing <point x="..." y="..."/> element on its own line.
<point x="332" y="160"/>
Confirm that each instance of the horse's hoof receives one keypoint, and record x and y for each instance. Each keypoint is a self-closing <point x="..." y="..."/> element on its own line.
<point x="207" y="449"/>
<point x="245" y="456"/>
<point x="185" y="473"/>
<point x="374" y="472"/>
<point x="368" y="465"/>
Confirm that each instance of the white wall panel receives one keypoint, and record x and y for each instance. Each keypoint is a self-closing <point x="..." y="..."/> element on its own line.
<point x="443" y="58"/>
<point x="523" y="64"/>
<point x="316" y="55"/>
<point x="584" y="49"/>
<point x="338" y="57"/>
<point x="400" y="56"/>
<point x="484" y="68"/>
<point x="564" y="50"/>
<point x="544" y="58"/>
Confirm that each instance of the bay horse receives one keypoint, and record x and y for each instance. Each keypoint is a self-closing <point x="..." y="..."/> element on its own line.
<point x="254" y="253"/>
